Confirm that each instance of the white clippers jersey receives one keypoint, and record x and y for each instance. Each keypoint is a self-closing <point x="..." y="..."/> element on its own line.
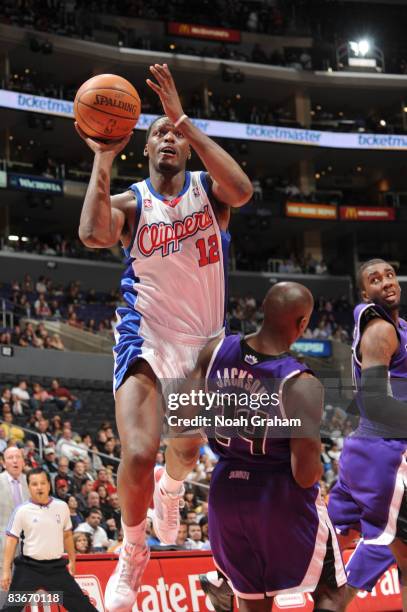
<point x="177" y="260"/>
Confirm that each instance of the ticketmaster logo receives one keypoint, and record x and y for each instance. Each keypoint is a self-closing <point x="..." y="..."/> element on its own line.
<point x="276" y="133"/>
<point x="382" y="141"/>
<point x="40" y="104"/>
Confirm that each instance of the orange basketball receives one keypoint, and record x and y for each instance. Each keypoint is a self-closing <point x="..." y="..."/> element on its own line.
<point x="107" y="107"/>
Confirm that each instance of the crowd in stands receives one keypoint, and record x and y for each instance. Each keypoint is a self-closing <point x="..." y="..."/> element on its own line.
<point x="83" y="465"/>
<point x="225" y="108"/>
<point x="93" y="312"/>
<point x="44" y="300"/>
<point x="58" y="246"/>
<point x="331" y="319"/>
<point x="321" y="20"/>
<point x="81" y="18"/>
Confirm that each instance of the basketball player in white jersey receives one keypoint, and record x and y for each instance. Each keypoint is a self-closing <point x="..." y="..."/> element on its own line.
<point x="173" y="227"/>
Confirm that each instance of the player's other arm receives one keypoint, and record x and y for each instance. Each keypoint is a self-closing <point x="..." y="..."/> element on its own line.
<point x="304" y="399"/>
<point x="103" y="219"/>
<point x="9" y="553"/>
<point x="231" y="186"/>
<point x="378" y="344"/>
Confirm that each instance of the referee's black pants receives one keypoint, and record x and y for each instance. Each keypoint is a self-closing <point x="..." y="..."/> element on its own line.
<point x="31" y="575"/>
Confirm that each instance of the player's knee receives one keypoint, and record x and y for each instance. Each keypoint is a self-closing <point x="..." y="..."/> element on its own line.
<point x="328" y="597"/>
<point x="186" y="451"/>
<point x="138" y="460"/>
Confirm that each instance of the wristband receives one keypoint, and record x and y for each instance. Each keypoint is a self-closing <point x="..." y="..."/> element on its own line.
<point x="180" y="120"/>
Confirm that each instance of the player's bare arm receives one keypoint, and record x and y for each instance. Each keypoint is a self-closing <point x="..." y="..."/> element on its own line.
<point x="230" y="185"/>
<point x="105" y="219"/>
<point x="303" y="398"/>
<point x="378" y="345"/>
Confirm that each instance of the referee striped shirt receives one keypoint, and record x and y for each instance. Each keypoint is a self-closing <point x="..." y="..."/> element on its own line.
<point x="43" y="526"/>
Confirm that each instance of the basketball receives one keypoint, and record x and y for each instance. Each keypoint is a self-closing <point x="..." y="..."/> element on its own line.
<point x="107" y="106"/>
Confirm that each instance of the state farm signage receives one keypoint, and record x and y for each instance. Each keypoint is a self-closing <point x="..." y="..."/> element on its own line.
<point x="171" y="584"/>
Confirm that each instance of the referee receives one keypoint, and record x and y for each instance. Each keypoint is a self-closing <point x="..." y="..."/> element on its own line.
<point x="47" y="528"/>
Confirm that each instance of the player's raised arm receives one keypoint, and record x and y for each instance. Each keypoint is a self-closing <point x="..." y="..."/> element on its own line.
<point x="103" y="218"/>
<point x="303" y="399"/>
<point x="231" y="186"/>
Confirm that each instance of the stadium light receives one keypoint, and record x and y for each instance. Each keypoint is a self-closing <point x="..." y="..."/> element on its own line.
<point x="360" y="48"/>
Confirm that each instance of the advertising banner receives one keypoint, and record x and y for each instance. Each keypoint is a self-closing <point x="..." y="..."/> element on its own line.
<point x="40" y="184"/>
<point x="315" y="348"/>
<point x="366" y="213"/>
<point x="171" y="583"/>
<point x="189" y="30"/>
<point x="226" y="129"/>
<point x="310" y="211"/>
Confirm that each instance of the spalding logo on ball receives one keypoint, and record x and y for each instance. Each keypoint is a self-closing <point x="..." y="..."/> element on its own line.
<point x="107" y="107"/>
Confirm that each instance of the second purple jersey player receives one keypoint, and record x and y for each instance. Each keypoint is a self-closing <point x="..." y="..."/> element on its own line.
<point x="370" y="494"/>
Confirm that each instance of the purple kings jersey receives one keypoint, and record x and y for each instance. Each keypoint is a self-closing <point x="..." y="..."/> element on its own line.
<point x="249" y="425"/>
<point x="397" y="384"/>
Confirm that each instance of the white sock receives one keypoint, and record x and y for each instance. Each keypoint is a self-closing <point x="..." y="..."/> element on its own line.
<point x="136" y="534"/>
<point x="169" y="484"/>
<point x="214" y="578"/>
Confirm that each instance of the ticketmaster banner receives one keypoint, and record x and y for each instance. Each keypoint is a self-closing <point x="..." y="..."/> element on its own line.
<point x="225" y="129"/>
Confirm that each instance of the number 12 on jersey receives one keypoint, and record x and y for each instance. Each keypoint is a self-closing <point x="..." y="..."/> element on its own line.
<point x="208" y="253"/>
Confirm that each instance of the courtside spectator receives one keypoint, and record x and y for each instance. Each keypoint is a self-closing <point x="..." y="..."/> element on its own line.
<point x="61" y="488"/>
<point x="76" y="516"/>
<point x="182" y="534"/>
<point x="103" y="479"/>
<point x="63" y="397"/>
<point x="92" y="526"/>
<point x="13" y="432"/>
<point x="63" y="472"/>
<point x="3" y="441"/>
<point x="41" y="307"/>
<point x="78" y="475"/>
<point x="50" y="464"/>
<point x="82" y="497"/>
<point x="67" y="447"/>
<point x="113" y="509"/>
<point x="82" y="542"/>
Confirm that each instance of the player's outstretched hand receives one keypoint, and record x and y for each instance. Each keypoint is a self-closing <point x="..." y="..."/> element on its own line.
<point x="97" y="146"/>
<point x="166" y="90"/>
